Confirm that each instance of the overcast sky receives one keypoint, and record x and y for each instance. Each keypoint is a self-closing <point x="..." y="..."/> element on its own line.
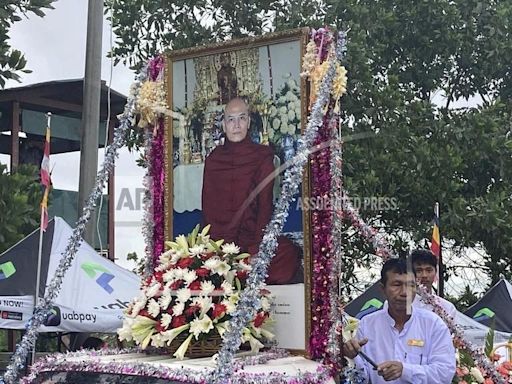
<point x="55" y="50"/>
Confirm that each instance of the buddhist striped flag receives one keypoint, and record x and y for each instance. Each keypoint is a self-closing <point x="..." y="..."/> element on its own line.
<point x="435" y="246"/>
<point x="45" y="178"/>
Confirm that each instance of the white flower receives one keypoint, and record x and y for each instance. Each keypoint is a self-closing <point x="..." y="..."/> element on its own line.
<point x="212" y="263"/>
<point x="198" y="326"/>
<point x="230" y="248"/>
<point x="222" y="269"/>
<point x="153" y="308"/>
<point x="196" y="250"/>
<point x="475" y="372"/>
<point x="205" y="303"/>
<point x="292" y="128"/>
<point x="178" y="308"/>
<point x="169" y="276"/>
<point x="183" y="294"/>
<point x="189" y="276"/>
<point x="270" y="132"/>
<point x="273" y="110"/>
<point x="165" y="299"/>
<point x="170" y="334"/>
<point x="180" y="352"/>
<point x="138" y="305"/>
<point x="297" y="106"/>
<point x="227" y="287"/>
<point x="284" y="118"/>
<point x="265" y="304"/>
<point x="157" y="340"/>
<point x="207" y="287"/>
<point x="153" y="289"/>
<point x="179" y="272"/>
<point x="291" y="114"/>
<point x="281" y="100"/>
<point x="283" y="110"/>
<point x="125" y="332"/>
<point x="276" y="123"/>
<point x="284" y="129"/>
<point x="166" y="320"/>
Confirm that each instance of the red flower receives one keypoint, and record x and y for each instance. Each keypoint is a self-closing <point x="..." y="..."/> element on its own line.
<point x="176" y="285"/>
<point x="218" y="310"/>
<point x="206" y="256"/>
<point x="195" y="285"/>
<point x="185" y="262"/>
<point x="191" y="311"/>
<point x="159" y="276"/>
<point x="178" y="321"/>
<point x="202" y="272"/>
<point x="259" y="319"/>
<point x="145" y="313"/>
<point x="160" y="328"/>
<point x="242" y="275"/>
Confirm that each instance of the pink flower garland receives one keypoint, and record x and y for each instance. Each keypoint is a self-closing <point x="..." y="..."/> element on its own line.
<point x="156" y="168"/>
<point x="321" y="221"/>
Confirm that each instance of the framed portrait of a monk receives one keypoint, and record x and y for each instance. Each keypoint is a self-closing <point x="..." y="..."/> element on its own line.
<point x="239" y="108"/>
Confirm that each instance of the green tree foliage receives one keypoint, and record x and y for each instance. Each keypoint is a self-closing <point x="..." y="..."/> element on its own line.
<point x="409" y="64"/>
<point x="12" y="61"/>
<point x="20" y="195"/>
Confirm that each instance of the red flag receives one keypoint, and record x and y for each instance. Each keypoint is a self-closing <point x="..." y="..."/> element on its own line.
<point x="45" y="179"/>
<point x="435" y="246"/>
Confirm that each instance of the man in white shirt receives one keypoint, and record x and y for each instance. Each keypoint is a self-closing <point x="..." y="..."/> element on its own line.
<point x="407" y="345"/>
<point x="424" y="264"/>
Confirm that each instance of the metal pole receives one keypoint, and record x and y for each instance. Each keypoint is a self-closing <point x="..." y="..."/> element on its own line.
<point x="91" y="112"/>
<point x="440" y="264"/>
<point x="40" y="249"/>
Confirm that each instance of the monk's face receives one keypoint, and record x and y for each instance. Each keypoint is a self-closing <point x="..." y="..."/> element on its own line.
<point x="236" y="120"/>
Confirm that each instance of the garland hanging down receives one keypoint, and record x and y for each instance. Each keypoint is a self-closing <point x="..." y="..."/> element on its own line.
<point x="43" y="308"/>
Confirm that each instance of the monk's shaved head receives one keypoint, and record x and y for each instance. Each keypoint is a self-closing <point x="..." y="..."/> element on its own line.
<point x="236" y="120"/>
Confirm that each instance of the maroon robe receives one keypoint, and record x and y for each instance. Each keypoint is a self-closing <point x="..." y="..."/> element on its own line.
<point x="237" y="203"/>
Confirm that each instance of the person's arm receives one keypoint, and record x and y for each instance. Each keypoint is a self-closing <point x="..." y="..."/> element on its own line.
<point x="439" y="367"/>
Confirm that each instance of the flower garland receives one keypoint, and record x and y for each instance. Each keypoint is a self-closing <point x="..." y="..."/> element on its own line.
<point x="43" y="308"/>
<point x="74" y="362"/>
<point x="481" y="360"/>
<point x="249" y="300"/>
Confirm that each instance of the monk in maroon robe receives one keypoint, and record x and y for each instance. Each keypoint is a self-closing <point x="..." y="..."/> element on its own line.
<point x="237" y="194"/>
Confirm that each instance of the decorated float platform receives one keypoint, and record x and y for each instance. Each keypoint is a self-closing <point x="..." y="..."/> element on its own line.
<point x="126" y="367"/>
<point x="294" y="81"/>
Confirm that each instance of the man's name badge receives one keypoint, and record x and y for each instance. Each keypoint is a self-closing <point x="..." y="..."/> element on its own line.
<point x="415" y="343"/>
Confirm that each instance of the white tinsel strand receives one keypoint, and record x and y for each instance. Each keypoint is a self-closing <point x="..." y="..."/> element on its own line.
<point x="249" y="300"/>
<point x="147" y="221"/>
<point x="43" y="308"/>
<point x="335" y="315"/>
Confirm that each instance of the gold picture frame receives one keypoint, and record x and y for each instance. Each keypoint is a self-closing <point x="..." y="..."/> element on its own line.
<point x="198" y="81"/>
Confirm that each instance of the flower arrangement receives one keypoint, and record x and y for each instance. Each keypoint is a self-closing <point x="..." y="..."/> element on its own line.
<point x="468" y="372"/>
<point x="285" y="113"/>
<point x="193" y="292"/>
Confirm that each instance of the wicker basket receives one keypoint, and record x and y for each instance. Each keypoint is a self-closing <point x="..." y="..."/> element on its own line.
<point x="197" y="348"/>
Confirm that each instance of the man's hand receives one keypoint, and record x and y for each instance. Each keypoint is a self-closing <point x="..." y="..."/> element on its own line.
<point x="390" y="370"/>
<point x="352" y="347"/>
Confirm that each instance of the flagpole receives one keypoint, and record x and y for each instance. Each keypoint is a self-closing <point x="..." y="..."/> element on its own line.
<point x="440" y="267"/>
<point x="42" y="229"/>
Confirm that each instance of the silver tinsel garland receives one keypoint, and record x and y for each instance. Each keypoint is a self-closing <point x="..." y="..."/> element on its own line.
<point x="147" y="201"/>
<point x="249" y="300"/>
<point x="336" y="269"/>
<point x="43" y="308"/>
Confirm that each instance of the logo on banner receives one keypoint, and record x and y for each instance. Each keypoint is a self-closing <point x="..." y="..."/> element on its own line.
<point x="104" y="278"/>
<point x="370" y="306"/>
<point x="53" y="318"/>
<point x="484" y="314"/>
<point x="7" y="270"/>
